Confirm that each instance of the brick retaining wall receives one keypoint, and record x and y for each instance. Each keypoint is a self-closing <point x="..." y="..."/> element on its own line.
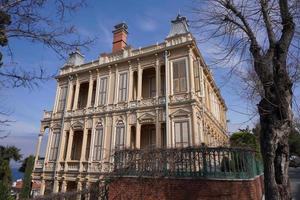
<point x="185" y="189"/>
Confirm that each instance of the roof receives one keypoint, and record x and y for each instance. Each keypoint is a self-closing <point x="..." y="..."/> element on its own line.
<point x="179" y="26"/>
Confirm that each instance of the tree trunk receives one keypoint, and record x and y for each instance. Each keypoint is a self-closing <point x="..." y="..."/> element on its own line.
<point x="276" y="123"/>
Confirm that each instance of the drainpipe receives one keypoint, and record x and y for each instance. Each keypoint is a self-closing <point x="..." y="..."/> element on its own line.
<point x="168" y="134"/>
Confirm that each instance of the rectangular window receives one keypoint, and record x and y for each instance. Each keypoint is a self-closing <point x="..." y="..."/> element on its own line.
<point x="179" y="76"/>
<point x="197" y="76"/>
<point x="98" y="146"/>
<point x="123" y="87"/>
<point x="102" y="90"/>
<point x="120" y="131"/>
<point x="54" y="146"/>
<point x="62" y="98"/>
<point x="181" y="130"/>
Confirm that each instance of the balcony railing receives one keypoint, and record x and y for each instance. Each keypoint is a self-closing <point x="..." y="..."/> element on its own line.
<point x="229" y="163"/>
<point x="39" y="163"/>
<point x="47" y="115"/>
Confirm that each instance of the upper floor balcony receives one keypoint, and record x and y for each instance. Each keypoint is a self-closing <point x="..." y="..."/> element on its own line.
<point x="128" y="53"/>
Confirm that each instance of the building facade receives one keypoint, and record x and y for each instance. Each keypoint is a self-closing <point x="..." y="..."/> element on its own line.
<point x="161" y="96"/>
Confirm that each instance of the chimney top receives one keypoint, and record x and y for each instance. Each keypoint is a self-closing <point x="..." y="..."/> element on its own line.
<point x="120" y="37"/>
<point x="121" y="27"/>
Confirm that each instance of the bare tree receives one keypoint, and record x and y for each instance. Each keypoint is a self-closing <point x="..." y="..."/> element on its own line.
<point x="37" y="21"/>
<point x="261" y="34"/>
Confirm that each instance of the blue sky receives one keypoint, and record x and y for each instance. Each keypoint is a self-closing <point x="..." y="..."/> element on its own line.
<point x="148" y="22"/>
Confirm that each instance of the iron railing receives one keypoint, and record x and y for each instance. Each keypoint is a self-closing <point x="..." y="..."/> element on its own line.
<point x="193" y="162"/>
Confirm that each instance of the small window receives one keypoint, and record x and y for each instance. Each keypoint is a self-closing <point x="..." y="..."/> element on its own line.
<point x="120" y="132"/>
<point x="179" y="76"/>
<point x="62" y="98"/>
<point x="98" y="146"/>
<point x="123" y="87"/>
<point x="54" y="146"/>
<point x="103" y="91"/>
<point x="181" y="130"/>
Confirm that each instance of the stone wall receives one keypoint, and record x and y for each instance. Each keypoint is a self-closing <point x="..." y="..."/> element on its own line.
<point x="185" y="189"/>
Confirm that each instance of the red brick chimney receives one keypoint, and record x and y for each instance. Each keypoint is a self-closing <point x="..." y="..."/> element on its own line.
<point x="120" y="37"/>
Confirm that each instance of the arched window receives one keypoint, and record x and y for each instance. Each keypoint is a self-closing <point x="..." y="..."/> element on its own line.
<point x="120" y="132"/>
<point x="98" y="146"/>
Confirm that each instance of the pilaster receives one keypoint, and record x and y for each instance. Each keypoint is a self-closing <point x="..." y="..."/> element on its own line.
<point x="116" y="85"/>
<point x="90" y="92"/>
<point x="75" y="106"/>
<point x="158" y="130"/>
<point x="191" y="72"/>
<point x="158" y="78"/>
<point x="97" y="89"/>
<point x="140" y="82"/>
<point x="70" y="94"/>
<point x="38" y="146"/>
<point x="130" y="87"/>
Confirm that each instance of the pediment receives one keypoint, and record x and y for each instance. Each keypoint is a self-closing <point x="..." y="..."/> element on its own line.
<point x="77" y="125"/>
<point x="147" y="118"/>
<point x="55" y="126"/>
<point x="181" y="113"/>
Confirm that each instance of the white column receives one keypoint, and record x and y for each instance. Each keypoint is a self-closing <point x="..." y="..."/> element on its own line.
<point x="158" y="79"/>
<point x="55" y="186"/>
<point x="97" y="89"/>
<point x="138" y="135"/>
<point x="48" y="146"/>
<point x="79" y="188"/>
<point x="158" y="130"/>
<point x="191" y="72"/>
<point x="195" y="132"/>
<point x="140" y="82"/>
<point x="107" y="137"/>
<point x="70" y="95"/>
<point x="42" y="189"/>
<point x="90" y="92"/>
<point x="128" y="130"/>
<point x="64" y="186"/>
<point x="130" y="88"/>
<point x="116" y="85"/>
<point x="75" y="106"/>
<point x="92" y="140"/>
<point x="110" y="89"/>
<point x="56" y="99"/>
<point x="83" y="147"/>
<point x="38" y="146"/>
<point x="69" y="147"/>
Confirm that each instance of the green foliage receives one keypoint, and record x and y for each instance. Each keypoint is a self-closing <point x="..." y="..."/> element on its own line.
<point x="7" y="154"/>
<point x="28" y="166"/>
<point x="244" y="138"/>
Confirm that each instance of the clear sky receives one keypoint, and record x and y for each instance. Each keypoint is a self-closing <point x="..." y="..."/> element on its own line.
<point x="148" y="22"/>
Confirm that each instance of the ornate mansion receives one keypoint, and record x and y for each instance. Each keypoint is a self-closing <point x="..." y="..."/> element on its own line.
<point x="161" y="96"/>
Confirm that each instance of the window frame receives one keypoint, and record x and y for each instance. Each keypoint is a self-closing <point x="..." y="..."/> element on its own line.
<point x="54" y="146"/>
<point x="103" y="100"/>
<point x="120" y="129"/>
<point x="123" y="91"/>
<point x="61" y="104"/>
<point x="180" y="79"/>
<point x="98" y="144"/>
<point x="182" y="143"/>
